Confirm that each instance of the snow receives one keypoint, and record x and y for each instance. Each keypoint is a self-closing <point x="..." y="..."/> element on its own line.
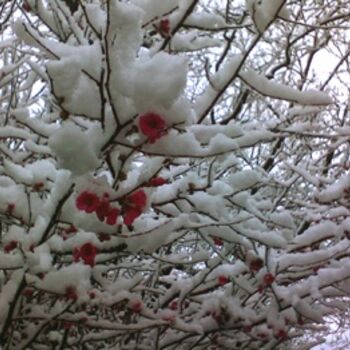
<point x="144" y="81"/>
<point x="191" y="41"/>
<point x="73" y="149"/>
<point x="206" y="20"/>
<point x="314" y="234"/>
<point x="263" y="12"/>
<point x="57" y="281"/>
<point x="8" y="294"/>
<point x="276" y="90"/>
<point x="154" y="9"/>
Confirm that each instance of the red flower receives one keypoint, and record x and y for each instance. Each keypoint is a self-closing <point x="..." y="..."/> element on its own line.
<point x="157" y="181"/>
<point x="71" y="293"/>
<point x="71" y="229"/>
<point x="10" y="208"/>
<point x="112" y="216"/>
<point x="137" y="199"/>
<point x="269" y="279"/>
<point x="281" y="334"/>
<point x="152" y="125"/>
<point x="222" y="280"/>
<point x="218" y="241"/>
<point x="87" y="201"/>
<point x="133" y="207"/>
<point x="256" y="264"/>
<point x="104" y="210"/>
<point x="10" y="246"/>
<point x="173" y="305"/>
<point x="28" y="292"/>
<point x="87" y="252"/>
<point x="104" y="237"/>
<point x="38" y="186"/>
<point x="136" y="306"/>
<point x="164" y="27"/>
<point x="26" y="7"/>
<point x="130" y="215"/>
<point x="68" y="325"/>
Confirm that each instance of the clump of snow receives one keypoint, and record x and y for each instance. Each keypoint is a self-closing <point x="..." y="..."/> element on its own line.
<point x="154" y="81"/>
<point x="73" y="149"/>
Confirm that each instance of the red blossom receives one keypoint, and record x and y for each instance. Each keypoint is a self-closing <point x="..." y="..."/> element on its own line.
<point x="218" y="241"/>
<point x="102" y="210"/>
<point x="104" y="237"/>
<point x="87" y="252"/>
<point x="281" y="334"/>
<point x="28" y="292"/>
<point x="156" y="181"/>
<point x="137" y="199"/>
<point x="68" y="325"/>
<point x="130" y="214"/>
<point x="173" y="305"/>
<point x="87" y="201"/>
<point x="10" y="208"/>
<point x="112" y="216"/>
<point x="222" y="280"/>
<point x="38" y="186"/>
<point x="10" y="246"/>
<point x="134" y="206"/>
<point x="152" y="125"/>
<point x="247" y="329"/>
<point x="71" y="293"/>
<point x="105" y="211"/>
<point x="26" y="7"/>
<point x="136" y="306"/>
<point x="71" y="229"/>
<point x="256" y="264"/>
<point x="269" y="279"/>
<point x="164" y="27"/>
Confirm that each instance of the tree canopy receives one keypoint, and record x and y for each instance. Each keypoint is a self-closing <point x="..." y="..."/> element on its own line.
<point x="174" y="173"/>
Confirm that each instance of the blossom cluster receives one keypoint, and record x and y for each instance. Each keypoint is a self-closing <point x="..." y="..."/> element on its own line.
<point x="91" y="202"/>
<point x="132" y="206"/>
